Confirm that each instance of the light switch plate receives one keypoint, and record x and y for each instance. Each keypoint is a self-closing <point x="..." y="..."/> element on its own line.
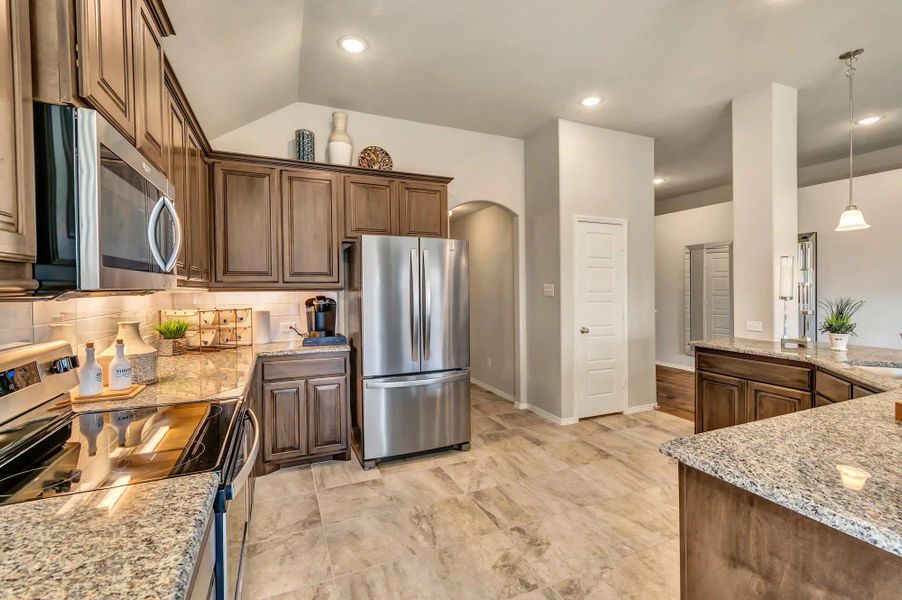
<point x="548" y="290"/>
<point x="754" y="326"/>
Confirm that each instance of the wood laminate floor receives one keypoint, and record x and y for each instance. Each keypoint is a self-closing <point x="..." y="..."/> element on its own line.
<point x="533" y="511"/>
<point x="676" y="392"/>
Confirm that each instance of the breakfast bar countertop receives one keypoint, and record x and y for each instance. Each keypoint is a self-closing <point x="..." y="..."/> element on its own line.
<point x="107" y="543"/>
<point x="838" y="464"/>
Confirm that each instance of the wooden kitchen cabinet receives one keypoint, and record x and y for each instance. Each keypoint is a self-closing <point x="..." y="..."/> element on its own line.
<point x="768" y="401"/>
<point x="284" y="420"/>
<point x="150" y="98"/>
<point x="305" y="407"/>
<point x="177" y="175"/>
<point x="198" y="230"/>
<point x="106" y="65"/>
<point x="370" y="206"/>
<point x="721" y="401"/>
<point x="17" y="204"/>
<point x="246" y="223"/>
<point x="311" y="235"/>
<point x="423" y="209"/>
<point x="327" y="417"/>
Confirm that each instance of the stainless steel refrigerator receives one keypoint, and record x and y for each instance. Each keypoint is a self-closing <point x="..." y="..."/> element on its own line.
<point x="408" y="320"/>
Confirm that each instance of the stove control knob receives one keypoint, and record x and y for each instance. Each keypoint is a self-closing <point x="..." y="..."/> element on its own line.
<point x="64" y="365"/>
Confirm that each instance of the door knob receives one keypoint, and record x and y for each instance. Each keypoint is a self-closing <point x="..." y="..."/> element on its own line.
<point x="584" y="330"/>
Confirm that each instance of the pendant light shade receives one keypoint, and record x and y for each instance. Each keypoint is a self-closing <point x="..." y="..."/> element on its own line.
<point x="851" y="219"/>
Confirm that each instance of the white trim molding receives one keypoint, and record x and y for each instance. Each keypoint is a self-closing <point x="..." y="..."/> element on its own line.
<point x="496" y="391"/>
<point x="675" y="366"/>
<point x="550" y="417"/>
<point x="637" y="409"/>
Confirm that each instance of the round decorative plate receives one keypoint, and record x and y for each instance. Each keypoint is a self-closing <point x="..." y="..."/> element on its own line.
<point x="374" y="157"/>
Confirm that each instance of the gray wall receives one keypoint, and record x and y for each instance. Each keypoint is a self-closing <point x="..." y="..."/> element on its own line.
<point x="492" y="240"/>
<point x="543" y="314"/>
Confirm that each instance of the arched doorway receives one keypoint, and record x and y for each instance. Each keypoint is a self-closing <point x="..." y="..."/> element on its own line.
<point x="492" y="231"/>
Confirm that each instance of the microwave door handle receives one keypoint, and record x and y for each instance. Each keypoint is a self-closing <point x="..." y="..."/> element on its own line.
<point x="176" y="234"/>
<point x="152" y="233"/>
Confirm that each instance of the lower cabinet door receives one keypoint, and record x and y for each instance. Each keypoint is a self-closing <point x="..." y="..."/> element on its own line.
<point x="284" y="420"/>
<point x="771" y="401"/>
<point x="327" y="414"/>
<point x="720" y="401"/>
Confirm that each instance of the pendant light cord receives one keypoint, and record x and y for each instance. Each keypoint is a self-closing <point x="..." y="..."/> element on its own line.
<point x="850" y="73"/>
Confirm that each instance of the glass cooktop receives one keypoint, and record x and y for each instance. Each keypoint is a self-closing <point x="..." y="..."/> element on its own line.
<point x="49" y="452"/>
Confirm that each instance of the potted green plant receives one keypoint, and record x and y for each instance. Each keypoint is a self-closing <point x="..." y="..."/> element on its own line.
<point x="838" y="323"/>
<point x="172" y="337"/>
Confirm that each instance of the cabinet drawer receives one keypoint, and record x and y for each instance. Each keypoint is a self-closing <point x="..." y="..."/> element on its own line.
<point x="861" y="392"/>
<point x="755" y="370"/>
<point x="821" y="401"/>
<point x="304" y="367"/>
<point x="832" y="388"/>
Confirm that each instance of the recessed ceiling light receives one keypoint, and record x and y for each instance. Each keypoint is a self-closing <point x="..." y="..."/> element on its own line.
<point x="591" y="101"/>
<point x="869" y="120"/>
<point x="658" y="180"/>
<point x="352" y="44"/>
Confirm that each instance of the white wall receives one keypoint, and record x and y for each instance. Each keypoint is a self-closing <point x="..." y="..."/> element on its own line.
<point x="492" y="241"/>
<point x="865" y="264"/>
<point x="673" y="232"/>
<point x="484" y="167"/>
<point x="543" y="335"/>
<point x="606" y="173"/>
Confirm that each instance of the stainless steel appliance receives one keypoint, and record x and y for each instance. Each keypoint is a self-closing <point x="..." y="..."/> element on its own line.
<point x="409" y="324"/>
<point x="320" y="316"/>
<point x="47" y="450"/>
<point x="106" y="221"/>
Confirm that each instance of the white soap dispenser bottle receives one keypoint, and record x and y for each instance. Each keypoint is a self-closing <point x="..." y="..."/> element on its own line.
<point x="120" y="369"/>
<point x="90" y="376"/>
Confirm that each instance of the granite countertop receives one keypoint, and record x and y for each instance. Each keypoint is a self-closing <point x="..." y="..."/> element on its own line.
<point x="206" y="375"/>
<point x="838" y="464"/>
<point x="143" y="547"/>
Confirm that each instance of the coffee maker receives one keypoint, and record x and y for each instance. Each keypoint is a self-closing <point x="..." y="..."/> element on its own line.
<point x="321" y="322"/>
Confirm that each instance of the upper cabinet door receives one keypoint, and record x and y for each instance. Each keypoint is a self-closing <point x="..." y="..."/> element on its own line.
<point x="246" y="228"/>
<point x="106" y="63"/>
<point x="311" y="239"/>
<point x="371" y="206"/>
<point x="176" y="169"/>
<point x="17" y="218"/>
<point x="194" y="229"/>
<point x="423" y="209"/>
<point x="149" y="96"/>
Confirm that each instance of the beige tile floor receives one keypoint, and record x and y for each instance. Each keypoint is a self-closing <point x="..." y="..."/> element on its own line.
<point x="533" y="511"/>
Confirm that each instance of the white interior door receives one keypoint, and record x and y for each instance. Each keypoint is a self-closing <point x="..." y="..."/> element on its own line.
<point x="600" y="325"/>
<point x="718" y="297"/>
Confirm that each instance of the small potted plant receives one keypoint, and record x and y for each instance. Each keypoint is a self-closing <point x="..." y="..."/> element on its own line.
<point x="838" y="323"/>
<point x="172" y="337"/>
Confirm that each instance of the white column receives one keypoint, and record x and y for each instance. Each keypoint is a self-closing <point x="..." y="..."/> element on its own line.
<point x="765" y="207"/>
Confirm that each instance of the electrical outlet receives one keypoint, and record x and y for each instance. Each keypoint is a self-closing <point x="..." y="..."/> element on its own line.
<point x="488" y="362"/>
<point x="548" y="290"/>
<point x="754" y="326"/>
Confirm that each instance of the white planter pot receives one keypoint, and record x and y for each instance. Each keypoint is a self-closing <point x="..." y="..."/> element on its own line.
<point x="839" y="341"/>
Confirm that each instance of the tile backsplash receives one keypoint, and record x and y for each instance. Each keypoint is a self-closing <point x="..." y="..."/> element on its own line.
<point x="82" y="320"/>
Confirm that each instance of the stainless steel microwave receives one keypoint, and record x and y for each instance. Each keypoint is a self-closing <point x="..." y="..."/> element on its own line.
<point x="106" y="221"/>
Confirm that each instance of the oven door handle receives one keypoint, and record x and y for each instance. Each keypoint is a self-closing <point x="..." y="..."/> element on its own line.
<point x="240" y="479"/>
<point x="167" y="264"/>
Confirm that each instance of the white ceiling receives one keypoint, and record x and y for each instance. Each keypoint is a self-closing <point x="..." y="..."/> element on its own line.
<point x="666" y="68"/>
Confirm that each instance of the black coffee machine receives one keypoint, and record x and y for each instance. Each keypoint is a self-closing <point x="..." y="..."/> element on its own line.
<point x="320" y="317"/>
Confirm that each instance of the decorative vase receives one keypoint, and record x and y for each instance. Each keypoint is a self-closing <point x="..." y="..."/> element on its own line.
<point x="173" y="347"/>
<point x="839" y="341"/>
<point x="141" y="355"/>
<point x="339" y="148"/>
<point x="304" y="140"/>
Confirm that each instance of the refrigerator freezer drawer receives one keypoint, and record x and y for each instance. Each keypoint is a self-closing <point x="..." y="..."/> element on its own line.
<point x="407" y="414"/>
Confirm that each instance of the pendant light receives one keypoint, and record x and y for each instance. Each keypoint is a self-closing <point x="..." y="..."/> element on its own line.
<point x="851" y="218"/>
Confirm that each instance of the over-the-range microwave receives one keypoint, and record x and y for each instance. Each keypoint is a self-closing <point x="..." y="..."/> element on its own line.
<point x="106" y="222"/>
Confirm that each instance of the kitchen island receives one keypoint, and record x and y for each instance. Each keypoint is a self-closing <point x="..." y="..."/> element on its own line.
<point x="145" y="541"/>
<point x="807" y="504"/>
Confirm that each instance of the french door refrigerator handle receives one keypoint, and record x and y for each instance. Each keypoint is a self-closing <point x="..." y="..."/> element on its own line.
<point x="427" y="306"/>
<point x="408" y="383"/>
<point x="414" y="308"/>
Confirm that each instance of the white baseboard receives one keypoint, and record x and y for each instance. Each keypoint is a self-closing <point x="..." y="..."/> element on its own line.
<point x="494" y="390"/>
<point x="637" y="409"/>
<point x="550" y="417"/>
<point x="675" y="366"/>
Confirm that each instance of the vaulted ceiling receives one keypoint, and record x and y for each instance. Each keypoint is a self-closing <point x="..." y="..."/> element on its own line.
<point x="666" y="68"/>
